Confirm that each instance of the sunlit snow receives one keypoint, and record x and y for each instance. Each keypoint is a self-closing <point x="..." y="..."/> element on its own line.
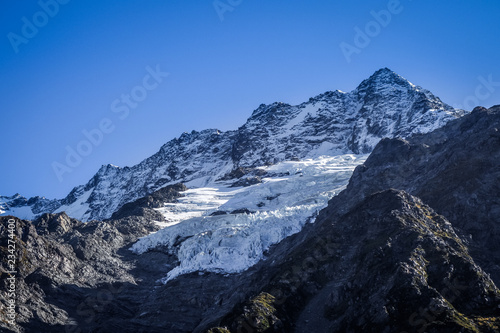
<point x="23" y="212"/>
<point x="78" y="209"/>
<point x="280" y="206"/>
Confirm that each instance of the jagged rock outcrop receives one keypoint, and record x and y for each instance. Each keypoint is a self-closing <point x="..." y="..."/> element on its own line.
<point x="145" y="206"/>
<point x="63" y="264"/>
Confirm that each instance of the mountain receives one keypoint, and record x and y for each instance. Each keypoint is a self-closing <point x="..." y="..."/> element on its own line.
<point x="454" y="169"/>
<point x="390" y="264"/>
<point x="379" y="259"/>
<point x="25" y="208"/>
<point x="410" y="245"/>
<point x="333" y="123"/>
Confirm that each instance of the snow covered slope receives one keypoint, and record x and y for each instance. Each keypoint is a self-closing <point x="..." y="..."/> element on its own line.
<point x="333" y="123"/>
<point x="227" y="230"/>
<point x="24" y="208"/>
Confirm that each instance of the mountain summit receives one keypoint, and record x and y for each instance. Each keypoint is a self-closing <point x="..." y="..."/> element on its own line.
<point x="332" y="123"/>
<point x="285" y="225"/>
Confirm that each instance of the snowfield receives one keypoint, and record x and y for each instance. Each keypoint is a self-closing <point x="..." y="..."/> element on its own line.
<point x="23" y="212"/>
<point x="79" y="208"/>
<point x="230" y="243"/>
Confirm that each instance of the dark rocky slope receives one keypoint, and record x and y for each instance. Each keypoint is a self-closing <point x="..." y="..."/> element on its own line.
<point x="69" y="273"/>
<point x="391" y="264"/>
<point x="455" y="170"/>
<point x="145" y="206"/>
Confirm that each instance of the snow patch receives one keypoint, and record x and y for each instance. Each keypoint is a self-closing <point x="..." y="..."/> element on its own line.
<point x="78" y="209"/>
<point x="23" y="212"/>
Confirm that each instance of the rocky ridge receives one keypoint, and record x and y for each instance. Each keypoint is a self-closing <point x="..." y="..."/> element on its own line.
<point x="454" y="169"/>
<point x="69" y="271"/>
<point x="391" y="264"/>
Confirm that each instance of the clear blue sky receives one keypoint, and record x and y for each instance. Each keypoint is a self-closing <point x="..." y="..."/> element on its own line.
<point x="64" y="78"/>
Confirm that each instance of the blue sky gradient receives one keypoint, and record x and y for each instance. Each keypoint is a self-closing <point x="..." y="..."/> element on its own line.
<point x="224" y="58"/>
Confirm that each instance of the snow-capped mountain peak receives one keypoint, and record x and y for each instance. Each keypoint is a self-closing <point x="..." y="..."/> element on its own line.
<point x="332" y="123"/>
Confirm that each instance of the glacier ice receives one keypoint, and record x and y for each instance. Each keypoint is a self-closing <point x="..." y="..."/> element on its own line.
<point x="280" y="206"/>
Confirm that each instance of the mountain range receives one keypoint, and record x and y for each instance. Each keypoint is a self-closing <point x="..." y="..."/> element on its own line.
<point x="332" y="123"/>
<point x="369" y="211"/>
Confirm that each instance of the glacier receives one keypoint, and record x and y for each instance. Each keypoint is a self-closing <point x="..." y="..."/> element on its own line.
<point x="278" y="207"/>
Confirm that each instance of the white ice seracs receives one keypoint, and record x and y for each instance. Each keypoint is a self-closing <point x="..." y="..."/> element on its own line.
<point x="280" y="206"/>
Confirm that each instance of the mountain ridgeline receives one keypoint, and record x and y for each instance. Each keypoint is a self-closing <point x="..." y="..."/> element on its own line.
<point x="335" y="122"/>
<point x="411" y="243"/>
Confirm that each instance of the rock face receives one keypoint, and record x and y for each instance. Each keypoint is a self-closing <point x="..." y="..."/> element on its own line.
<point x="60" y="261"/>
<point x="454" y="169"/>
<point x="390" y="264"/>
<point x="384" y="105"/>
<point x="69" y="271"/>
<point x="145" y="206"/>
